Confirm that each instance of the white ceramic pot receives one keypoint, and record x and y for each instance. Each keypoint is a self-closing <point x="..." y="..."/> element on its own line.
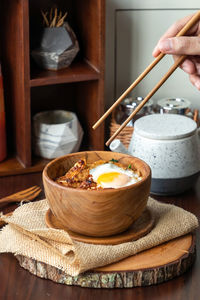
<point x="170" y="145"/>
<point x="56" y="133"/>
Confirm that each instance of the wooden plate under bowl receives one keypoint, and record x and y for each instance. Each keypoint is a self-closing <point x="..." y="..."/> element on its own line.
<point x="138" y="229"/>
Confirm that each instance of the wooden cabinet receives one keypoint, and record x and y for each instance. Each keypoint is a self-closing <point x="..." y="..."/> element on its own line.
<point x="29" y="89"/>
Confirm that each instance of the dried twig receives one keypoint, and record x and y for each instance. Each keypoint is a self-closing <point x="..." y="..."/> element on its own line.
<point x="59" y="16"/>
<point x="45" y="18"/>
<point x="51" y="14"/>
<point x="53" y="23"/>
<point x="61" y="21"/>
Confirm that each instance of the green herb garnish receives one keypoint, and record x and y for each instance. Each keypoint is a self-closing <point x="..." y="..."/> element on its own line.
<point x="114" y="160"/>
<point x="129" y="166"/>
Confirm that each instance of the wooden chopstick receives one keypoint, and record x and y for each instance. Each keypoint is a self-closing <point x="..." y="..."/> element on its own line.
<point x="191" y="22"/>
<point x="151" y="93"/>
<point x="130" y="88"/>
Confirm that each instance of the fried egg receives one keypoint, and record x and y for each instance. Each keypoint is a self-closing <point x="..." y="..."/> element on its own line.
<point x="109" y="175"/>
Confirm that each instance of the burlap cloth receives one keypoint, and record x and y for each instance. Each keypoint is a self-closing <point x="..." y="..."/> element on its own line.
<point x="28" y="235"/>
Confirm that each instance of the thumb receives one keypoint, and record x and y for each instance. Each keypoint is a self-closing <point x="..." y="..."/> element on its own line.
<point x="180" y="45"/>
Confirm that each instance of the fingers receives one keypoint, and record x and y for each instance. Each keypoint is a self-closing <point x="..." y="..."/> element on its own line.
<point x="183" y="45"/>
<point x="196" y="62"/>
<point x="173" y="31"/>
<point x="195" y="80"/>
<point x="189" y="67"/>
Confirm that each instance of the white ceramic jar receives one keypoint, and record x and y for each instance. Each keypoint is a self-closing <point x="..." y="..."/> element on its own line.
<point x="170" y="144"/>
<point x="56" y="133"/>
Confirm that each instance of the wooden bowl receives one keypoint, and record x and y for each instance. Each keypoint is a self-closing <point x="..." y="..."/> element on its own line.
<point x="96" y="212"/>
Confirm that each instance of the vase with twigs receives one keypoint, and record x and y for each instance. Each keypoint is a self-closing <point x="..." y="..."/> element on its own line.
<point x="58" y="44"/>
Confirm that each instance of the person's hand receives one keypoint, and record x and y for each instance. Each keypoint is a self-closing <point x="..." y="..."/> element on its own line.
<point x="184" y="45"/>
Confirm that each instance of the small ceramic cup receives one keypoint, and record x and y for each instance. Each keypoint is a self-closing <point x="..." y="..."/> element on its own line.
<point x="170" y="145"/>
<point x="56" y="133"/>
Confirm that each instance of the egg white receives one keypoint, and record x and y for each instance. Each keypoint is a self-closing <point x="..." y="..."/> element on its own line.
<point x="127" y="177"/>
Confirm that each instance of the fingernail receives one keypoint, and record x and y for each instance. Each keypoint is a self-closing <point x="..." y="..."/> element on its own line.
<point x="197" y="84"/>
<point x="186" y="68"/>
<point x="155" y="52"/>
<point x="165" y="45"/>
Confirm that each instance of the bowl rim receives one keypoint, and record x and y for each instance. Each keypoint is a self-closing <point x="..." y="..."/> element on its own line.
<point x="65" y="188"/>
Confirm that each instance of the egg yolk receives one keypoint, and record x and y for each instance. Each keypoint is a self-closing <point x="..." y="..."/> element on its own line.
<point x="113" y="180"/>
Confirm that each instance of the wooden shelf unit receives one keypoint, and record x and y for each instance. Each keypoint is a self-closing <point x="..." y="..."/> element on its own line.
<point x="29" y="89"/>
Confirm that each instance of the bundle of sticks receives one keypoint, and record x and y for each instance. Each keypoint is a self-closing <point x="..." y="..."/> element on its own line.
<point x="53" y="18"/>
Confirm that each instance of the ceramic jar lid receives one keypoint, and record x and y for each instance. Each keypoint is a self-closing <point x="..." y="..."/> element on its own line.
<point x="165" y="126"/>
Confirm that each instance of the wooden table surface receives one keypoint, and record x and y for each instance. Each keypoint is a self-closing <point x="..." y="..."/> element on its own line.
<point x="18" y="284"/>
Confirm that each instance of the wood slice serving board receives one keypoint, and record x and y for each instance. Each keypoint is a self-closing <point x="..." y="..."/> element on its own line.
<point x="149" y="267"/>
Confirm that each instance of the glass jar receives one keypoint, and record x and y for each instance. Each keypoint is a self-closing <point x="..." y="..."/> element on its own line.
<point x="173" y="105"/>
<point x="127" y="106"/>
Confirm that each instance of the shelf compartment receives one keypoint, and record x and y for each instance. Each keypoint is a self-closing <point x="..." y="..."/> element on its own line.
<point x="77" y="72"/>
<point x="83" y="80"/>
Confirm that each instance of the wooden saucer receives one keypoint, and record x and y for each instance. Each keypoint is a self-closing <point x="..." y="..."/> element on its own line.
<point x="137" y="230"/>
